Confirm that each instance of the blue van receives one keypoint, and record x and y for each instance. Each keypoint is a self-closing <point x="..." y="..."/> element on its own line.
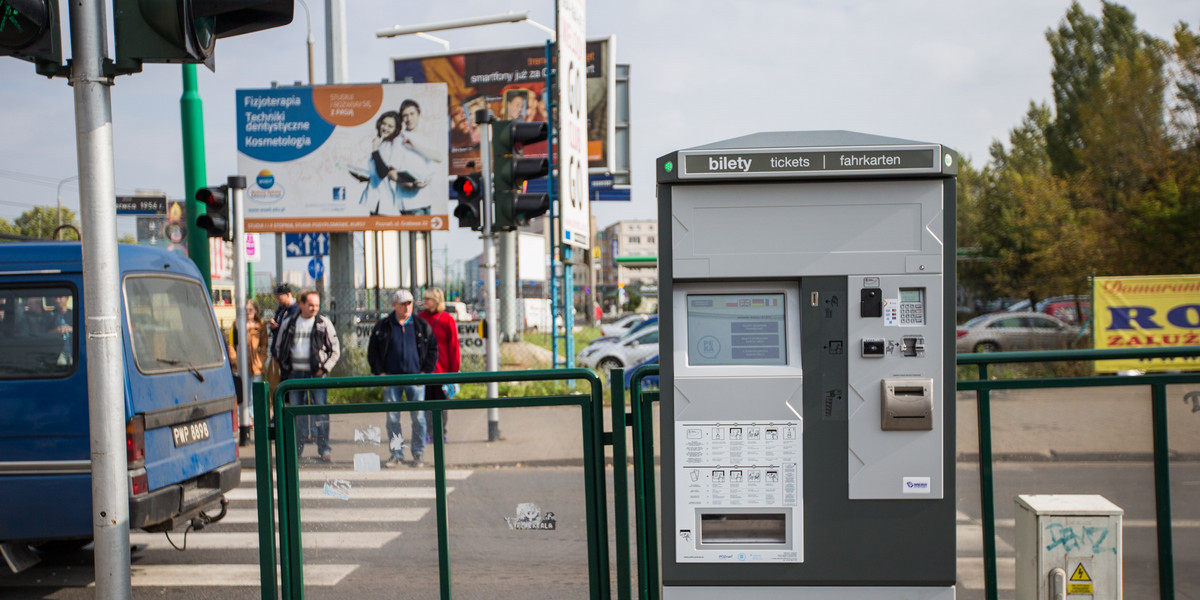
<point x="181" y="431"/>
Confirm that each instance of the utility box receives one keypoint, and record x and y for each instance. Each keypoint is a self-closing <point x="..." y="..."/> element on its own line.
<point x="1068" y="547"/>
<point x="807" y="363"/>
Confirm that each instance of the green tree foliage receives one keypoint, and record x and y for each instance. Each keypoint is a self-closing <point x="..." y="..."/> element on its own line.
<point x="1105" y="181"/>
<point x="1083" y="48"/>
<point x="40" y="222"/>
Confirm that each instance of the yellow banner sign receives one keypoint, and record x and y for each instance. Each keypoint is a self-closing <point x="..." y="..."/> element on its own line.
<point x="1147" y="312"/>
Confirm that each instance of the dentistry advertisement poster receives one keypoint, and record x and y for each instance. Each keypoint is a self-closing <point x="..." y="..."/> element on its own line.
<point x="344" y="157"/>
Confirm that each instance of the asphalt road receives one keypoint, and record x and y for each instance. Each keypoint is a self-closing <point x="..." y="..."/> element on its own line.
<point x="381" y="541"/>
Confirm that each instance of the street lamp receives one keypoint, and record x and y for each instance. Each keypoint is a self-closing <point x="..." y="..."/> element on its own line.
<point x="422" y="30"/>
<point x="308" y="23"/>
<point x="60" y="184"/>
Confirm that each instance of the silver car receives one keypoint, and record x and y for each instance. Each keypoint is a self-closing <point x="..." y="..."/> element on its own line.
<point x="1014" y="331"/>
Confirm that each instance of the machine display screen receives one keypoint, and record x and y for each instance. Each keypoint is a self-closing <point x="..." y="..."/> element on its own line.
<point x="736" y="329"/>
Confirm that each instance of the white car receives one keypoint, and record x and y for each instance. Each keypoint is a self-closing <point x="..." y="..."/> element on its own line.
<point x="459" y="311"/>
<point x="620" y="354"/>
<point x="620" y="326"/>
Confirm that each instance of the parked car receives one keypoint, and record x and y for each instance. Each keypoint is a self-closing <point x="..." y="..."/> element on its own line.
<point x="626" y="351"/>
<point x="621" y="326"/>
<point x="650" y="322"/>
<point x="1007" y="331"/>
<point x="650" y="381"/>
<point x="180" y="412"/>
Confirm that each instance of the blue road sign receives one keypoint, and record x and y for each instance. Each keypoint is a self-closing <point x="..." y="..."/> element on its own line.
<point x="299" y="245"/>
<point x="316" y="267"/>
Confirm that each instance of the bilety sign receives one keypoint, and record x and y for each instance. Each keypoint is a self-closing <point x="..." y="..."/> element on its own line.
<point x="1147" y="312"/>
<point x="344" y="157"/>
<point x="703" y="164"/>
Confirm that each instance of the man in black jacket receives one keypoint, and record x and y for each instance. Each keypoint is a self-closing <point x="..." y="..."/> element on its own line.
<point x="306" y="346"/>
<point x="402" y="344"/>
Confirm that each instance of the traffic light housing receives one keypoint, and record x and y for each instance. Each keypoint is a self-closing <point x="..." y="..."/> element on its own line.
<point x="29" y="30"/>
<point x="215" y="219"/>
<point x="186" y="31"/>
<point x="468" y="189"/>
<point x="510" y="171"/>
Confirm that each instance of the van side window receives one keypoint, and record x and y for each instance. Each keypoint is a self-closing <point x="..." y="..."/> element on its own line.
<point x="37" y="332"/>
<point x="171" y="324"/>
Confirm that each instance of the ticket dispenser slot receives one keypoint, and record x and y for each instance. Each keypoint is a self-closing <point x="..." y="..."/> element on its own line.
<point x="907" y="404"/>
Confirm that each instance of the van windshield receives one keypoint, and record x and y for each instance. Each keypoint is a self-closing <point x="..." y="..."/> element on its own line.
<point x="37" y="332"/>
<point x="171" y="324"/>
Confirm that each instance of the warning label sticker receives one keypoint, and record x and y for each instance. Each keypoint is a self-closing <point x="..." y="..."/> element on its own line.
<point x="1080" y="581"/>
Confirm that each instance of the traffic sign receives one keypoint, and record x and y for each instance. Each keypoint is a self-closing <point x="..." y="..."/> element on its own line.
<point x="316" y="267"/>
<point x="299" y="245"/>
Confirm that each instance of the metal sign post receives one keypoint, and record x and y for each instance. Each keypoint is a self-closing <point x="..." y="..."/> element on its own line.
<point x="102" y="289"/>
<point x="491" y="319"/>
<point x="237" y="193"/>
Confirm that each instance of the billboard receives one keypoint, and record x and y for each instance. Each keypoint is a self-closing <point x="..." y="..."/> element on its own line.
<point x="1147" y="312"/>
<point x="512" y="83"/>
<point x="344" y="157"/>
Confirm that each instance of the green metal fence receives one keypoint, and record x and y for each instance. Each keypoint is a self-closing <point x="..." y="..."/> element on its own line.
<point x="1157" y="382"/>
<point x="643" y="448"/>
<point x="640" y="420"/>
<point x="283" y="437"/>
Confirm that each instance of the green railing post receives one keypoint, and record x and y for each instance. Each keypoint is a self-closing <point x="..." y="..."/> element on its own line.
<point x="1162" y="494"/>
<point x="285" y="555"/>
<point x="987" y="492"/>
<point x="443" y="523"/>
<point x="644" y="482"/>
<point x="620" y="481"/>
<point x="289" y="479"/>
<point x="265" y="487"/>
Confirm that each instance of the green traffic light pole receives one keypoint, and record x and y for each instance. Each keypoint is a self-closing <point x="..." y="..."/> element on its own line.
<point x="191" y="109"/>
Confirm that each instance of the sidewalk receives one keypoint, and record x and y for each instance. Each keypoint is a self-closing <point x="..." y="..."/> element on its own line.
<point x="1086" y="424"/>
<point x="536" y="436"/>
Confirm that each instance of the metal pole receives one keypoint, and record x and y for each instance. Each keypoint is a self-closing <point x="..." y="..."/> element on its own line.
<point x="492" y="343"/>
<point x="237" y="194"/>
<point x="191" y="110"/>
<point x="102" y="292"/>
<point x="508" y="285"/>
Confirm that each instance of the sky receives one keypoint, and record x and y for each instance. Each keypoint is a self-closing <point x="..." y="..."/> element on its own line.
<point x="951" y="72"/>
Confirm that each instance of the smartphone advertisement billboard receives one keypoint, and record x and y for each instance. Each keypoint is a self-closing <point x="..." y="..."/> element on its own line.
<point x="512" y="83"/>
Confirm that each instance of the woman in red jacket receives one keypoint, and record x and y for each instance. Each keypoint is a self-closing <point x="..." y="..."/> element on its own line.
<point x="445" y="329"/>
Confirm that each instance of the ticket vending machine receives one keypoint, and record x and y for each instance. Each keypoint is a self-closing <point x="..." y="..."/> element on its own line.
<point x="807" y="321"/>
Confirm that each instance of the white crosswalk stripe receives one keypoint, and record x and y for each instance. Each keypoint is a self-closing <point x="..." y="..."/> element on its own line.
<point x="343" y="512"/>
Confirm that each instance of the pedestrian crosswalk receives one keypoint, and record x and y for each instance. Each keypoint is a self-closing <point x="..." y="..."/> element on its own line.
<point x="343" y="512"/>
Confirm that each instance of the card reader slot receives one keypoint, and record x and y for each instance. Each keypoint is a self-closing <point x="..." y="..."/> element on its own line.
<point x="743" y="528"/>
<point x="909" y="391"/>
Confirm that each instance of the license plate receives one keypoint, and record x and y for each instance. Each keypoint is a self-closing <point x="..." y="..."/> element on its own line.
<point x="190" y="433"/>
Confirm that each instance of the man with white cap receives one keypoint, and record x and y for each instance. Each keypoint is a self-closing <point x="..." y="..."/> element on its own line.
<point x="401" y="344"/>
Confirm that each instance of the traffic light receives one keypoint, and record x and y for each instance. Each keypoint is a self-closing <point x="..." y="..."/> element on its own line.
<point x="29" y="30"/>
<point x="510" y="171"/>
<point x="469" y="191"/>
<point x="186" y="31"/>
<point x="215" y="219"/>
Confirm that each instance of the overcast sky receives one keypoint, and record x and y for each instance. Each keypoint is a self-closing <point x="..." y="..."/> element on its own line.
<point x="952" y="72"/>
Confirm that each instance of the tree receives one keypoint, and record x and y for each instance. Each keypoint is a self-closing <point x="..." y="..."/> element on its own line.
<point x="41" y="221"/>
<point x="1083" y="48"/>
